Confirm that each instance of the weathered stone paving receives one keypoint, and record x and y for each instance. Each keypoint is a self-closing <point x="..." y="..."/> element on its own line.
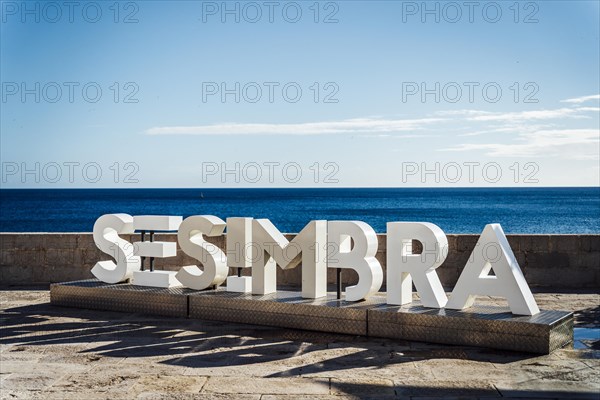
<point x="61" y="353"/>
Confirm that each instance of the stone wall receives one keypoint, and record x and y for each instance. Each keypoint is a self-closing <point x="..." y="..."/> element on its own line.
<point x="550" y="261"/>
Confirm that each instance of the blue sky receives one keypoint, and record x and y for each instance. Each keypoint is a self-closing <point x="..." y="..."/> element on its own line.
<point x="361" y="118"/>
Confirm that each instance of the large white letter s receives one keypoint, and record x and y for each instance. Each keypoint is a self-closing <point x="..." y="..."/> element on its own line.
<point x="107" y="229"/>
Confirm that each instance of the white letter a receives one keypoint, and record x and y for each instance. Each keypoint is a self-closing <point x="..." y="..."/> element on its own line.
<point x="493" y="252"/>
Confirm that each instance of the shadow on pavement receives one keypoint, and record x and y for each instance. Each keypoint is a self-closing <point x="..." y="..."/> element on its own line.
<point x="208" y="344"/>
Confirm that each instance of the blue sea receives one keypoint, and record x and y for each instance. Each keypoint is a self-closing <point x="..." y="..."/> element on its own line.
<point x="455" y="210"/>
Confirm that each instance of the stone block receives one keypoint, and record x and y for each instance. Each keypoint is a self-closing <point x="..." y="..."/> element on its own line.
<point x="30" y="241"/>
<point x="75" y="273"/>
<point x="349" y="276"/>
<point x="521" y="259"/>
<point x="466" y="243"/>
<point x="7" y="241"/>
<point x="7" y="257"/>
<point x="515" y="242"/>
<point x="445" y="389"/>
<point x="289" y="277"/>
<point x="17" y="274"/>
<point x="553" y="277"/>
<point x="381" y="257"/>
<point x="52" y="274"/>
<point x="382" y="240"/>
<point x="86" y="241"/>
<point x="448" y="275"/>
<point x="363" y="387"/>
<point x="172" y="384"/>
<point x="33" y="381"/>
<point x="564" y="243"/>
<point x="589" y="243"/>
<point x="61" y="241"/>
<point x="456" y="260"/>
<point x="35" y="258"/>
<point x="93" y="255"/>
<point x="549" y="388"/>
<point x="535" y="243"/>
<point x="162" y="237"/>
<point x="548" y="260"/>
<point x="452" y="243"/>
<point x="585" y="261"/>
<point x="281" y="386"/>
<point x="60" y="257"/>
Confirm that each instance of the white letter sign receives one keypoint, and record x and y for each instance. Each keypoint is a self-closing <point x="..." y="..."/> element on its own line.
<point x="156" y="249"/>
<point x="402" y="264"/>
<point x="194" y="245"/>
<point x="106" y="236"/>
<point x="276" y="249"/>
<point x="354" y="246"/>
<point x="258" y="244"/>
<point x="493" y="252"/>
<point x="239" y="252"/>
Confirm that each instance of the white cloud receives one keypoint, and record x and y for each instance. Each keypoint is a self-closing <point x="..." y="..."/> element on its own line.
<point x="469" y="113"/>
<point x="358" y="126"/>
<point x="536" y="133"/>
<point x="534" y="115"/>
<point x="583" y="99"/>
<point x="508" y="128"/>
<point x="581" y="144"/>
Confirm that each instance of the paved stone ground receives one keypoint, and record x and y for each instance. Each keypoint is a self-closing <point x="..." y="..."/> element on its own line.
<point x="50" y="352"/>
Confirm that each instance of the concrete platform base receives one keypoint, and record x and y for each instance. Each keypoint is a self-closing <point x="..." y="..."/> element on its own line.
<point x="493" y="327"/>
<point x="97" y="295"/>
<point x="482" y="326"/>
<point x="284" y="309"/>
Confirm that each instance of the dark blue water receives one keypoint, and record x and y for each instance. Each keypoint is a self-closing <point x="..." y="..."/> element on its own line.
<point x="518" y="210"/>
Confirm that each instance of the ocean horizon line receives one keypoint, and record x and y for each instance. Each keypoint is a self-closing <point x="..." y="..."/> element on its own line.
<point x="305" y="187"/>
